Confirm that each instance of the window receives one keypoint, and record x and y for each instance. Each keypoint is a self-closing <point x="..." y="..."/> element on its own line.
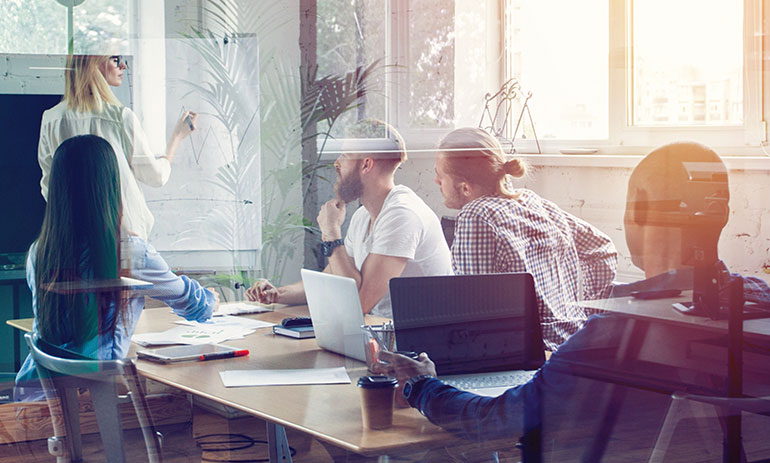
<point x="415" y="86"/>
<point x="638" y="73"/>
<point x="40" y="26"/>
<point x="562" y="59"/>
<point x="431" y="64"/>
<point x="687" y="85"/>
<point x="351" y="34"/>
<point x="620" y="76"/>
<point x="100" y="21"/>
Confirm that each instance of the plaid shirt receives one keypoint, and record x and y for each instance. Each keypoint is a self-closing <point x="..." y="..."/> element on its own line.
<point x="569" y="259"/>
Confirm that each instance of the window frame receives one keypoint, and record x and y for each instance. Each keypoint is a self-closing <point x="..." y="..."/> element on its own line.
<point x="626" y="138"/>
<point x="749" y="138"/>
<point x="397" y="101"/>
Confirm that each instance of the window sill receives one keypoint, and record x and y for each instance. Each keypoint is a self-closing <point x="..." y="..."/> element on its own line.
<point x="749" y="158"/>
<point x="754" y="163"/>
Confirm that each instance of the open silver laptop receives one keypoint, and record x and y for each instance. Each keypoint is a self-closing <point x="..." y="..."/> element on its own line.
<point x="482" y="331"/>
<point x="335" y="309"/>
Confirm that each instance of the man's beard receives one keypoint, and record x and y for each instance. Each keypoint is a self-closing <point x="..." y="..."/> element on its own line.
<point x="350" y="187"/>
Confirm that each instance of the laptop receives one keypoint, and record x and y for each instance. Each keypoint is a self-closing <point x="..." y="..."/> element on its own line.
<point x="482" y="331"/>
<point x="335" y="309"/>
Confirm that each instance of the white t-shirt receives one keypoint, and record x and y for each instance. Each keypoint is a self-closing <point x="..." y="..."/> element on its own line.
<point x="136" y="161"/>
<point x="405" y="227"/>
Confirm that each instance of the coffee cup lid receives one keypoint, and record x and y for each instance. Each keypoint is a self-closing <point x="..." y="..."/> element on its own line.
<point x="377" y="382"/>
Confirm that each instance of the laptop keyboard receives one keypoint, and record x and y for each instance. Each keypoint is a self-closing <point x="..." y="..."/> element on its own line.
<point x="489" y="380"/>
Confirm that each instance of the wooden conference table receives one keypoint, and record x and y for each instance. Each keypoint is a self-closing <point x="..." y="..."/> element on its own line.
<point x="331" y="413"/>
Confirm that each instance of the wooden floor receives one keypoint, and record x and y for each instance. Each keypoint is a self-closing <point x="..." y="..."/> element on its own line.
<point x="181" y="443"/>
<point x="196" y="441"/>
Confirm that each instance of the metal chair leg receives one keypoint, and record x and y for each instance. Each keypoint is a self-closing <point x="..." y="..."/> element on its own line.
<point x="108" y="417"/>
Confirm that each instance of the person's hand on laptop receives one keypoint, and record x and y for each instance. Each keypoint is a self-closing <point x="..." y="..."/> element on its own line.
<point x="402" y="367"/>
<point x="263" y="292"/>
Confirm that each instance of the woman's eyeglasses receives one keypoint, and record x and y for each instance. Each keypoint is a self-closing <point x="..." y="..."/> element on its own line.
<point x="118" y="61"/>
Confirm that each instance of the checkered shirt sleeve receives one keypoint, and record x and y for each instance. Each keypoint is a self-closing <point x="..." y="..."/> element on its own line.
<point x="597" y="255"/>
<point x="529" y="234"/>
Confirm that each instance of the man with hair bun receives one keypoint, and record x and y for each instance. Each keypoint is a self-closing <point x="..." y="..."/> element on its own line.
<point x="500" y="229"/>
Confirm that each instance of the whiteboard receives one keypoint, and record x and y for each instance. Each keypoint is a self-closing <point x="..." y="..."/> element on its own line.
<point x="212" y="199"/>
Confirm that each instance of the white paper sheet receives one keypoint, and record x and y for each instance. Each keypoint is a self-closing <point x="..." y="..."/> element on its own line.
<point x="199" y="334"/>
<point x="229" y="320"/>
<point x="241" y="308"/>
<point x="241" y="378"/>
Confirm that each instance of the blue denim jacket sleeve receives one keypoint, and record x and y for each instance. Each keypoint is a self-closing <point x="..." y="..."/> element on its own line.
<point x="474" y="417"/>
<point x="518" y="410"/>
<point x="186" y="297"/>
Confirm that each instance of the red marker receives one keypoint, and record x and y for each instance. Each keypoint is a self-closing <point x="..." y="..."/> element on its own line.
<point x="225" y="355"/>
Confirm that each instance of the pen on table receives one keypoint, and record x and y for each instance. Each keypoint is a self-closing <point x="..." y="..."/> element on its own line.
<point x="224" y="355"/>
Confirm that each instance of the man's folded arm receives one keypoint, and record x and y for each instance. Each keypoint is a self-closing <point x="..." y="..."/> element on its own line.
<point x="376" y="274"/>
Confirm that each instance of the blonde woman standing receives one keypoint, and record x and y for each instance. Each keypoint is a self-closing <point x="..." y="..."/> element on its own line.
<point x="90" y="108"/>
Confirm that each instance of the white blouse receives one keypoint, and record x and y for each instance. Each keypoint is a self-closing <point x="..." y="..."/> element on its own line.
<point x="120" y="127"/>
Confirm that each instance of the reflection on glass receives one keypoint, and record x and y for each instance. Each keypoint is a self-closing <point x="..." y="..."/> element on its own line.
<point x="676" y="82"/>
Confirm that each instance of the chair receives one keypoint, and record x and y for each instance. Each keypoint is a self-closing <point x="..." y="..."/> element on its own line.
<point x="62" y="377"/>
<point x="703" y="408"/>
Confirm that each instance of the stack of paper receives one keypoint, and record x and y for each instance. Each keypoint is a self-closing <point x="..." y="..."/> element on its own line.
<point x="241" y="378"/>
<point x="213" y="331"/>
<point x="229" y="320"/>
<point x="241" y="308"/>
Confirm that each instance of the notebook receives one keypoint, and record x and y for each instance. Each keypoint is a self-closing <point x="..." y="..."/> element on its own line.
<point x="482" y="331"/>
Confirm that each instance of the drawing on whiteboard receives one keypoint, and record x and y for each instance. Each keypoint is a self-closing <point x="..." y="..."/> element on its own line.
<point x="204" y="147"/>
<point x="212" y="200"/>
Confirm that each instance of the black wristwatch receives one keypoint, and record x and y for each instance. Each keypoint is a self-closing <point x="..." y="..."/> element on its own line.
<point x="412" y="386"/>
<point x="327" y="247"/>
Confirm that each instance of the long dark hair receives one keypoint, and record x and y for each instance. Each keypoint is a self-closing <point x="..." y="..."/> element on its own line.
<point x="79" y="240"/>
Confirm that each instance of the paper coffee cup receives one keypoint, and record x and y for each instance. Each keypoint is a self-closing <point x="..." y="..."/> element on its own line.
<point x="377" y="394"/>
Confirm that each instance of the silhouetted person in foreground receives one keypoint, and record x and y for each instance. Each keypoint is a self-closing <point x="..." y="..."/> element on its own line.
<point x="612" y="347"/>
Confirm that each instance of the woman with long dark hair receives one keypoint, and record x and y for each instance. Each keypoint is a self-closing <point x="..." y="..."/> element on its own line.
<point x="81" y="240"/>
<point x="90" y="107"/>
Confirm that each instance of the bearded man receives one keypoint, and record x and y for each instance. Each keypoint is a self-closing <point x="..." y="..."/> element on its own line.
<point x="393" y="234"/>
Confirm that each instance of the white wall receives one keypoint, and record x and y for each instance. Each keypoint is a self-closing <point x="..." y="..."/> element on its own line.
<point x="597" y="194"/>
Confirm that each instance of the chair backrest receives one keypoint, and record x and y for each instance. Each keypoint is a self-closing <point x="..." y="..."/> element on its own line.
<point x="719" y="411"/>
<point x="58" y="374"/>
<point x="94" y="370"/>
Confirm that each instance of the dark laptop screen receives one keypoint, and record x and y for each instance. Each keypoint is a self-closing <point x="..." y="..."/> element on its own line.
<point x="469" y="323"/>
